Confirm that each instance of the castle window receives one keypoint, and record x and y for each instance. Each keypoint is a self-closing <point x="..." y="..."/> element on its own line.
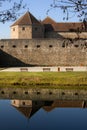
<point x="13" y="29"/>
<point x="23" y="28"/>
<point x="26" y="46"/>
<point x="50" y="46"/>
<point x="14" y="46"/>
<point x="38" y="46"/>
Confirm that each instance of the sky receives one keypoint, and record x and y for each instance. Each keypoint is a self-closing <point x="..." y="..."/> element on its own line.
<point x="38" y="8"/>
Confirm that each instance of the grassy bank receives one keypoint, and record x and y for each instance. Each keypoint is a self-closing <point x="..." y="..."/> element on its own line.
<point x="63" y="80"/>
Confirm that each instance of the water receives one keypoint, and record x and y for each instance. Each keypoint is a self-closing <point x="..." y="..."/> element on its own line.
<point x="43" y="115"/>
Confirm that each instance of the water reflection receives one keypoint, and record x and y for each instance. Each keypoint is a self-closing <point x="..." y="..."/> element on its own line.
<point x="29" y="107"/>
<point x="45" y="115"/>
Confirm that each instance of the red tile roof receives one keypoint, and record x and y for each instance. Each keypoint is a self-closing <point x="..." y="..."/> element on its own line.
<point x="48" y="20"/>
<point x="50" y="25"/>
<point x="69" y="26"/>
<point x="26" y="19"/>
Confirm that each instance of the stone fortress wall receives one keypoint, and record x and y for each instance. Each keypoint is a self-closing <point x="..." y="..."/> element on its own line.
<point x="43" y="52"/>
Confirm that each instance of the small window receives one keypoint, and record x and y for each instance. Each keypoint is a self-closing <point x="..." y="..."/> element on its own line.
<point x="2" y="46"/>
<point x="26" y="92"/>
<point x="76" y="93"/>
<point x="38" y="46"/>
<point x="13" y="29"/>
<point x="36" y="28"/>
<point x="50" y="93"/>
<point x="2" y="92"/>
<point x="50" y="46"/>
<point x="69" y="69"/>
<point x="76" y="45"/>
<point x="14" y="92"/>
<point x="26" y="46"/>
<point x="23" y="28"/>
<point x="63" y="93"/>
<point x="14" y="46"/>
<point x="23" y="103"/>
<point x="38" y="93"/>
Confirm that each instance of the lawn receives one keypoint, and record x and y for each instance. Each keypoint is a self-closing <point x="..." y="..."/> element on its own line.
<point x="60" y="80"/>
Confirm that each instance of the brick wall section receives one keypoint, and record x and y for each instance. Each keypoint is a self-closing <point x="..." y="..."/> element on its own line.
<point x="50" y="52"/>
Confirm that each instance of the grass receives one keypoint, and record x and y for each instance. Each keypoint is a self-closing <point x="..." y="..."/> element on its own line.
<point x="60" y="80"/>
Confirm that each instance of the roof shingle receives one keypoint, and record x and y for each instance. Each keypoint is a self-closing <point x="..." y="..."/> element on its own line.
<point x="51" y="25"/>
<point x="26" y="19"/>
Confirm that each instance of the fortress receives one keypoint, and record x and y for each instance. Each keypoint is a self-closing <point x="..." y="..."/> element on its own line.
<point x="44" y="43"/>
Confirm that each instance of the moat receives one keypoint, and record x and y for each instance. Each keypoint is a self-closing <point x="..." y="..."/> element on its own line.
<point x="36" y="110"/>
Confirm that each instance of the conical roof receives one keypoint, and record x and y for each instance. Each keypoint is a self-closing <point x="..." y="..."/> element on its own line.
<point x="26" y="19"/>
<point x="28" y="112"/>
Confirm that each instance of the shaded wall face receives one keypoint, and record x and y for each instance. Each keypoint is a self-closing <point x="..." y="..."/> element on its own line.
<point x="43" y="52"/>
<point x="25" y="32"/>
<point x="37" y="31"/>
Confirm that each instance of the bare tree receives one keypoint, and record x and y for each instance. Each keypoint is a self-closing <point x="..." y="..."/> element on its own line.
<point x="11" y="9"/>
<point x="78" y="7"/>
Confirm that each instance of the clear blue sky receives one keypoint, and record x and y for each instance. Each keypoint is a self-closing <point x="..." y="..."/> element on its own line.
<point x="38" y="8"/>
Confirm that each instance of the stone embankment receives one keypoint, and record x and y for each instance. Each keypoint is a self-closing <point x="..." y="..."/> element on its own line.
<point x="45" y="69"/>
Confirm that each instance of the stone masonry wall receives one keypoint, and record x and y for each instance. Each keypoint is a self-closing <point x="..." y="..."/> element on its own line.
<point x="37" y="31"/>
<point x="14" y="32"/>
<point x="44" y="52"/>
<point x="21" y="32"/>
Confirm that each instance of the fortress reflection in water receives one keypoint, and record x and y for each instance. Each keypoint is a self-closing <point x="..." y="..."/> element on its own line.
<point x="29" y="107"/>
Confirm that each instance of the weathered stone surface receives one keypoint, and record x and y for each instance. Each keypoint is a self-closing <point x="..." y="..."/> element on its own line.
<point x="42" y="94"/>
<point x="50" y="52"/>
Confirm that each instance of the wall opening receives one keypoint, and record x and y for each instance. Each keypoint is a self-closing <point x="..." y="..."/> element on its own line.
<point x="50" y="46"/>
<point x="2" y="46"/>
<point x="23" y="28"/>
<point x="14" y="46"/>
<point x="13" y="29"/>
<point x="76" y="46"/>
<point x="58" y="69"/>
<point x="23" y="103"/>
<point x="26" y="46"/>
<point x="38" y="46"/>
<point x="46" y="69"/>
